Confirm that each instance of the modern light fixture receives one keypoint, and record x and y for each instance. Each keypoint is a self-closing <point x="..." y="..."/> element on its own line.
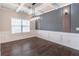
<point x="34" y="17"/>
<point x="66" y="11"/>
<point x="33" y="9"/>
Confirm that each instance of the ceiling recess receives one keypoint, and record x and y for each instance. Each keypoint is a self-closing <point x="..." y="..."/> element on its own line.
<point x="40" y="8"/>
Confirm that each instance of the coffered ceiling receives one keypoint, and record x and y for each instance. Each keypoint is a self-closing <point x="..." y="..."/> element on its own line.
<point x="40" y="8"/>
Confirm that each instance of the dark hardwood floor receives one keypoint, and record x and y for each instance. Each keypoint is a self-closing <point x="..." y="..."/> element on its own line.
<point x="36" y="47"/>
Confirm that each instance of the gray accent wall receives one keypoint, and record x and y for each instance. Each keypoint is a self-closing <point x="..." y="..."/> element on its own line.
<point x="52" y="21"/>
<point x="74" y="17"/>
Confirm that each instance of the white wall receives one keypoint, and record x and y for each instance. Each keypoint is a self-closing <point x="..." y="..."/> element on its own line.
<point x="66" y="39"/>
<point x="5" y="26"/>
<point x="7" y="36"/>
<point x="5" y="18"/>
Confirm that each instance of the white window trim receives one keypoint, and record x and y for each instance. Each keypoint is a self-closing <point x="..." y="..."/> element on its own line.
<point x="22" y="26"/>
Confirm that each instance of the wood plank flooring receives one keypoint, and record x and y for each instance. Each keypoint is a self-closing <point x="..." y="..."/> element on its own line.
<point x="36" y="47"/>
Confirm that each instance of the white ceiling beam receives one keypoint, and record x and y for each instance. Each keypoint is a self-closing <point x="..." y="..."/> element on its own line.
<point x="19" y="8"/>
<point x="61" y="5"/>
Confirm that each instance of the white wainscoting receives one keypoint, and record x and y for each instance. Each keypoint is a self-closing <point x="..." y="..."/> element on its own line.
<point x="67" y="39"/>
<point x="7" y="36"/>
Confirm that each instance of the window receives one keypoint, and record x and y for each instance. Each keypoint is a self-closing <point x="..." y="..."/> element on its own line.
<point x="20" y="25"/>
<point x="25" y="25"/>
